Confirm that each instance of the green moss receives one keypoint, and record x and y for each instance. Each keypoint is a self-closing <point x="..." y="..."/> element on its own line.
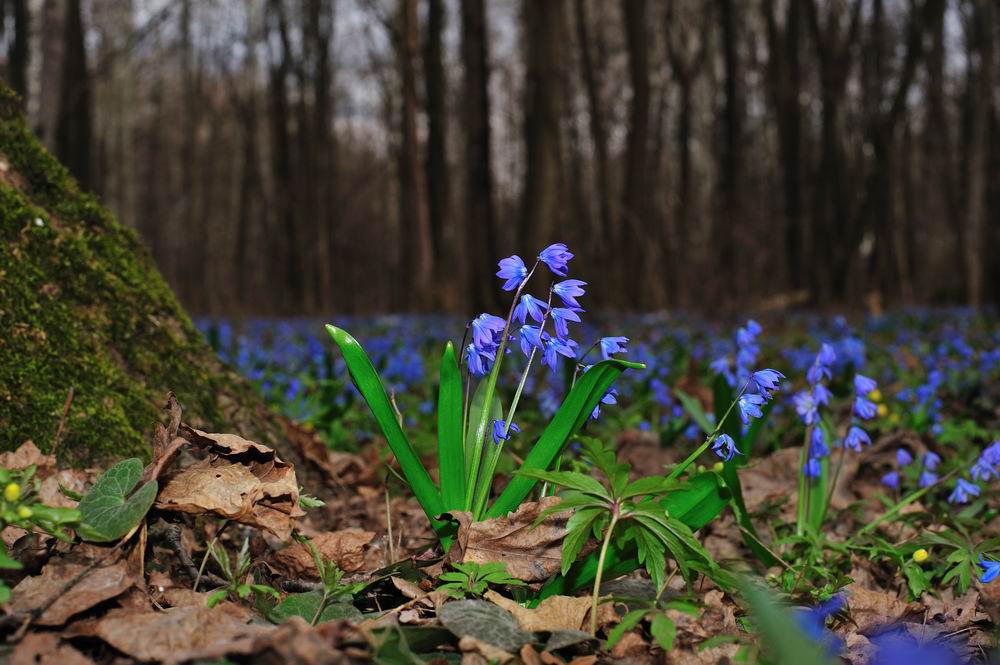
<point x="83" y="306"/>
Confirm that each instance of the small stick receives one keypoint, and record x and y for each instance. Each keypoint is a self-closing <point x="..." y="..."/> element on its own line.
<point x="208" y="551"/>
<point x="62" y="421"/>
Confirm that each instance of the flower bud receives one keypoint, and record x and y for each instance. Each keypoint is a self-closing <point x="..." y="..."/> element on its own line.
<point x="24" y="512"/>
<point x="12" y="492"/>
<point x="920" y="555"/>
<point x="717" y="467"/>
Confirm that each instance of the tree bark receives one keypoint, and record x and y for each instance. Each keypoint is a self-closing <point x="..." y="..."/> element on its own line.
<point x="436" y="165"/>
<point x="545" y="38"/>
<point x="18" y="49"/>
<point x="732" y="145"/>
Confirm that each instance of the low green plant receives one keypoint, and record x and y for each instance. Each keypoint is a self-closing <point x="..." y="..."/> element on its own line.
<point x="630" y="511"/>
<point x="330" y="576"/>
<point x="236" y="576"/>
<point x="661" y="627"/>
<point x="473" y="579"/>
<point x="20" y="507"/>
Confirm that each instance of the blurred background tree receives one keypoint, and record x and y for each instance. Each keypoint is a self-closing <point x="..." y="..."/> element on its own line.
<point x="335" y="156"/>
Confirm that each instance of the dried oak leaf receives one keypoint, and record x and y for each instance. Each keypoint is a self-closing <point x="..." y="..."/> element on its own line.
<point x="345" y="548"/>
<point x="46" y="649"/>
<point x="105" y="581"/>
<point x="180" y="634"/>
<point x="872" y="609"/>
<point x="531" y="554"/>
<point x="477" y="651"/>
<point x="239" y="480"/>
<point x="553" y="613"/>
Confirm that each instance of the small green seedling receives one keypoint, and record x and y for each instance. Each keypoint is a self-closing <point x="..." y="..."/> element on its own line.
<point x="472" y="579"/>
<point x="235" y="575"/>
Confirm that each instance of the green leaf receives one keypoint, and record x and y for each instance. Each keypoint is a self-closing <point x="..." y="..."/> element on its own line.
<point x="484" y="621"/>
<point x="572" y="414"/>
<point x="451" y="451"/>
<point x="110" y="509"/>
<point x="693" y="408"/>
<point x="571" y="479"/>
<point x="627" y="623"/>
<point x="606" y="460"/>
<point x="367" y="381"/>
<point x="647" y="485"/>
<point x="781" y="632"/>
<point x="6" y="561"/>
<point x="305" y="605"/>
<point x="663" y="630"/>
<point x="577" y="532"/>
<point x="484" y="409"/>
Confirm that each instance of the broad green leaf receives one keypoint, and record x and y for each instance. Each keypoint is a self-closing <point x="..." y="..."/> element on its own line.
<point x="782" y="633"/>
<point x="486" y="622"/>
<point x="451" y="451"/>
<point x="577" y="532"/>
<point x="646" y="485"/>
<point x="367" y="381"/>
<point x="606" y="460"/>
<point x="572" y="414"/>
<point x="6" y="561"/>
<point x="110" y="509"/>
<point x="627" y="623"/>
<point x="570" y="479"/>
<point x="305" y="605"/>
<point x="473" y="437"/>
<point x="693" y="408"/>
<point x="663" y="630"/>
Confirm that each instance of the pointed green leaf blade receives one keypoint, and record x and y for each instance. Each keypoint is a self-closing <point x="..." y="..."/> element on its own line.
<point x="451" y="451"/>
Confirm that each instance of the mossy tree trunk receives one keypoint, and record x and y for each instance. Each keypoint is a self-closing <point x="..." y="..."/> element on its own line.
<point x="82" y="306"/>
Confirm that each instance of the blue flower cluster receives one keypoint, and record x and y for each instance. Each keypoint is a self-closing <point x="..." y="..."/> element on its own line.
<point x="807" y="405"/>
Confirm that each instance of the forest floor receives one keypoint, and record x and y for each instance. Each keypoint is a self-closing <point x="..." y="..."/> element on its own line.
<point x="226" y="559"/>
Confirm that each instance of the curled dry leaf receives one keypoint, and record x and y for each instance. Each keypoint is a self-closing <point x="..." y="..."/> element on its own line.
<point x="46" y="649"/>
<point x="239" y="480"/>
<point x="73" y="587"/>
<point x="26" y="455"/>
<point x="531" y="554"/>
<point x="180" y="634"/>
<point x="345" y="548"/>
<point x="553" y="613"/>
<point x="477" y="651"/>
<point x="873" y="609"/>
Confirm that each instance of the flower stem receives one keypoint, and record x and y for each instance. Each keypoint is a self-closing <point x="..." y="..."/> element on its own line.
<point x="680" y="468"/>
<point x="596" y="599"/>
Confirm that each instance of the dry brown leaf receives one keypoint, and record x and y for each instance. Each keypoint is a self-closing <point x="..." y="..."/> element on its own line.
<point x="180" y="633"/>
<point x="46" y="649"/>
<point x="102" y="583"/>
<point x="724" y="653"/>
<point x="26" y="455"/>
<point x="553" y="613"/>
<point x="950" y="613"/>
<point x="633" y="649"/>
<point x="240" y="480"/>
<point x="872" y="609"/>
<point x="345" y="548"/>
<point x="531" y="554"/>
<point x="478" y="649"/>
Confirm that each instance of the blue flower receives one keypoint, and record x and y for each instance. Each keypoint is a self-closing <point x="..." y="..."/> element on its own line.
<point x="983" y="471"/>
<point x="484" y="329"/>
<point x="612" y="345"/>
<point x="856" y="437"/>
<point x="560" y="317"/>
<point x="530" y="306"/>
<point x="821" y="394"/>
<point x="766" y="381"/>
<point x="568" y="290"/>
<point x="812" y="469"/>
<point x="610" y="397"/>
<point x="555" y="347"/>
<point x="817" y="444"/>
<point x="863" y="385"/>
<point x="513" y="270"/>
<point x="805" y="406"/>
<point x="813" y="624"/>
<point x="903" y="457"/>
<point x="931" y="460"/>
<point x="991" y="570"/>
<point x="820" y="368"/>
<point x="864" y="408"/>
<point x="480" y="361"/>
<point x="500" y="432"/>
<point x="750" y="407"/>
<point x="899" y="647"/>
<point x="927" y="479"/>
<point x="532" y="337"/>
<point x="725" y="447"/>
<point x="891" y="479"/>
<point x="963" y="492"/>
<point x="556" y="256"/>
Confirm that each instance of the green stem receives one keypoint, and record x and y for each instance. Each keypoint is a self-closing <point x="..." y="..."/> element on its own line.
<point x="679" y="469"/>
<point x="319" y="610"/>
<point x="900" y="505"/>
<point x="596" y="599"/>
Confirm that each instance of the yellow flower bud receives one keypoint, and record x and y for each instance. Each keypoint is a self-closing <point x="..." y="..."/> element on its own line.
<point x="701" y="468"/>
<point x="12" y="492"/>
<point x="920" y="555"/>
<point x="883" y="410"/>
<point x="875" y="395"/>
<point x="24" y="512"/>
<point x="717" y="467"/>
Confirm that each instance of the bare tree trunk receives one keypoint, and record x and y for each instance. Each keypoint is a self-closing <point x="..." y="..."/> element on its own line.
<point x="479" y="224"/>
<point x="418" y="249"/>
<point x="17" y="50"/>
<point x="436" y="86"/>
<point x="732" y="141"/>
<point x="544" y="24"/>
<point x="980" y="88"/>
<point x="591" y="73"/>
